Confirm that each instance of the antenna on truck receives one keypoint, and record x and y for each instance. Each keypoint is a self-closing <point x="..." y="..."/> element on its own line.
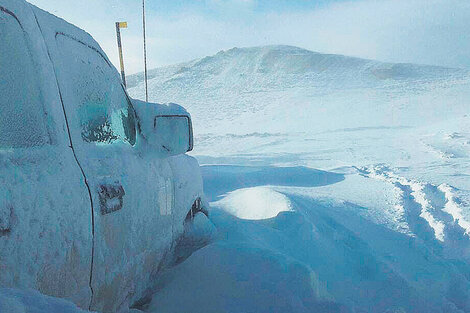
<point x="145" y="53"/>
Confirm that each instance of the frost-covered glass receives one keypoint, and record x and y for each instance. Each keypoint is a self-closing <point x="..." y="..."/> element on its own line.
<point x="22" y="116"/>
<point x="102" y="107"/>
<point x="173" y="133"/>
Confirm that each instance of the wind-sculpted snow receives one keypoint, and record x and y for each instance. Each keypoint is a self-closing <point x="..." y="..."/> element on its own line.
<point x="254" y="203"/>
<point x="220" y="179"/>
<point x="453" y="207"/>
<point x="329" y="252"/>
<point x="431" y="211"/>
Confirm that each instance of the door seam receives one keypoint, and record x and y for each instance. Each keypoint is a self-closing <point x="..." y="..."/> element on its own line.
<point x="78" y="163"/>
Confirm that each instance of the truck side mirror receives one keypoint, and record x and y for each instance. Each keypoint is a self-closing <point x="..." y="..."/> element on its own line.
<point x="173" y="133"/>
<point x="166" y="128"/>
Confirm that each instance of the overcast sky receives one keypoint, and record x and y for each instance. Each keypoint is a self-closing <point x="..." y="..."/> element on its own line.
<point x="418" y="31"/>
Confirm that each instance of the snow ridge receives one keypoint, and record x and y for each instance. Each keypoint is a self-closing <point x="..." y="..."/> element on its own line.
<point x="436" y="205"/>
<point x="453" y="208"/>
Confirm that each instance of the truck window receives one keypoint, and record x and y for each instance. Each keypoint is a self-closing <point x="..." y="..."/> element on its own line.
<point x="22" y="115"/>
<point x="102" y="107"/>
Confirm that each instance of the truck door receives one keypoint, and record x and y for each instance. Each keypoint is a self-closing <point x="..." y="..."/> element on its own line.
<point x="45" y="212"/>
<point x="132" y="197"/>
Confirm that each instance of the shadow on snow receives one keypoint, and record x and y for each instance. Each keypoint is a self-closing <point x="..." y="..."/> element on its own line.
<point x="220" y="179"/>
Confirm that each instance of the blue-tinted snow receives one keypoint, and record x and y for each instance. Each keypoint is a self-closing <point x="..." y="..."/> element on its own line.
<point x="368" y="164"/>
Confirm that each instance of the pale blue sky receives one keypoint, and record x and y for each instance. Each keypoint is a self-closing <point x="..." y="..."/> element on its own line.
<point x="416" y="31"/>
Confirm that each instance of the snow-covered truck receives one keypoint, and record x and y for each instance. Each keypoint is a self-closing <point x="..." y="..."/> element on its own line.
<point x="94" y="186"/>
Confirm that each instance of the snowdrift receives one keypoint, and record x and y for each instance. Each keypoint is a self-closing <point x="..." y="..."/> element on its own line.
<point x="340" y="247"/>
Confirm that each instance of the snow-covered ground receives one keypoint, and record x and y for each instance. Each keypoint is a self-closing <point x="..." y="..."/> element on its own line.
<point x="337" y="184"/>
<point x="31" y="301"/>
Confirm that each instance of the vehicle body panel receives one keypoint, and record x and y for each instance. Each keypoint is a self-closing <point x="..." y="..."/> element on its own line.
<point x="47" y="239"/>
<point x="98" y="217"/>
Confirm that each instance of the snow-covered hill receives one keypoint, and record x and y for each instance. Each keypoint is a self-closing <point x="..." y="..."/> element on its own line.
<point x="275" y="67"/>
<point x="278" y="89"/>
<point x="384" y="226"/>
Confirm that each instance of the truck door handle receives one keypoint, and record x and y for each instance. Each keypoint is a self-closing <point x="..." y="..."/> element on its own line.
<point x="111" y="197"/>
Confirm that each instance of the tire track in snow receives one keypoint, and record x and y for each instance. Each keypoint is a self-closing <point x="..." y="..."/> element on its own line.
<point x="432" y="212"/>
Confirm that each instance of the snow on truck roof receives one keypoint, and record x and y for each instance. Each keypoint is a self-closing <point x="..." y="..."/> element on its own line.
<point x="62" y="27"/>
<point x="15" y="8"/>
